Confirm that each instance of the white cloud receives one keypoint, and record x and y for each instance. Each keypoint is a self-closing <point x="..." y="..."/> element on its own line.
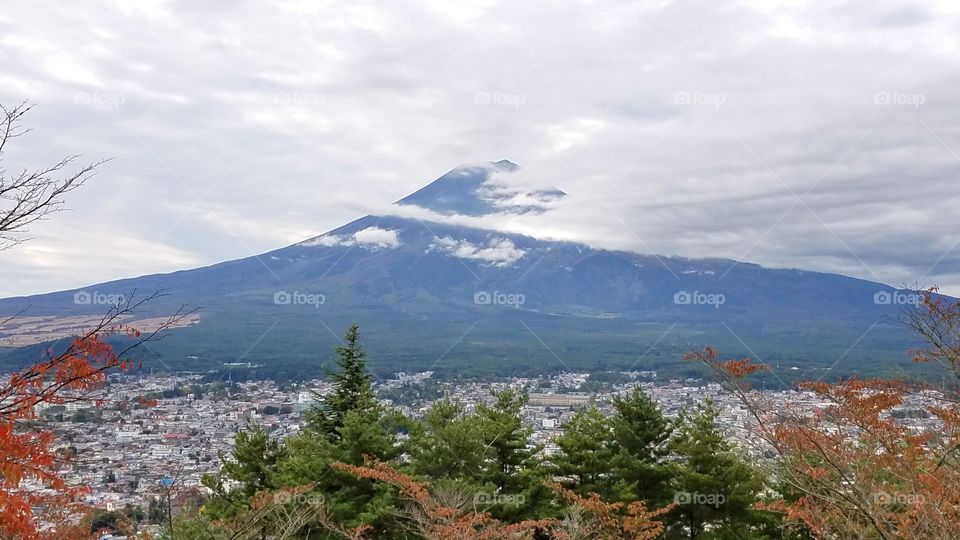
<point x="375" y="236"/>
<point x="497" y="251"/>
<point x="371" y="238"/>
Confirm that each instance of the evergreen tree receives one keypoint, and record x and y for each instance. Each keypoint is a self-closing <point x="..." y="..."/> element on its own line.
<point x="346" y="426"/>
<point x="640" y="435"/>
<point x="585" y="453"/>
<point x="449" y="444"/>
<point x="513" y="468"/>
<point x="715" y="487"/>
<point x="252" y="464"/>
<point x="353" y="388"/>
<point x="507" y="437"/>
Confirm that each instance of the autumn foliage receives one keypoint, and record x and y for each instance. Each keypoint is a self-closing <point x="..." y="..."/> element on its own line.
<point x="435" y="520"/>
<point x="587" y="517"/>
<point x="852" y="468"/>
<point x="35" y="500"/>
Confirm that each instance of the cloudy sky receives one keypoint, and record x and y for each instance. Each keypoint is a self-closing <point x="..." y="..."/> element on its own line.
<point x="818" y="135"/>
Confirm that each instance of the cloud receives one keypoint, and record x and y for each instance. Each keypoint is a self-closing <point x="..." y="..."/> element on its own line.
<point x="371" y="238"/>
<point x="790" y="134"/>
<point x="375" y="236"/>
<point x="497" y="251"/>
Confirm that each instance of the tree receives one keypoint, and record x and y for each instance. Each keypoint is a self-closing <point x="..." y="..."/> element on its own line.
<point x="347" y="425"/>
<point x="252" y="465"/>
<point x="286" y="514"/>
<point x="850" y="469"/>
<point x="71" y="375"/>
<point x="448" y="444"/>
<point x="31" y="195"/>
<point x="353" y="388"/>
<point x="514" y="467"/>
<point x="640" y="435"/>
<point x="508" y="438"/>
<point x="714" y="487"/>
<point x="434" y="515"/>
<point x="585" y="454"/>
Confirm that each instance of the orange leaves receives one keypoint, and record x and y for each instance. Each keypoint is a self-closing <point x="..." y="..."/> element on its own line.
<point x="855" y="467"/>
<point x="434" y="520"/>
<point x="377" y="470"/>
<point x="741" y="368"/>
<point x="610" y="519"/>
<point x="736" y="369"/>
<point x="28" y="460"/>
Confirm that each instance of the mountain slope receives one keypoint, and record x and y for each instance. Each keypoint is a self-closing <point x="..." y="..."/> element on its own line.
<point x="455" y="299"/>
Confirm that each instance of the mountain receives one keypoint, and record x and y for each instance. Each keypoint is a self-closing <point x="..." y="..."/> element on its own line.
<point x="471" y="191"/>
<point x="431" y="295"/>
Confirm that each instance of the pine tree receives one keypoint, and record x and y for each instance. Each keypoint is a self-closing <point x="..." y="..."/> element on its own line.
<point x="345" y="427"/>
<point x="715" y="487"/>
<point x="448" y="445"/>
<point x="507" y="437"/>
<point x="640" y="433"/>
<point x="514" y="467"/>
<point x="585" y="453"/>
<point x="252" y="465"/>
<point x="353" y="389"/>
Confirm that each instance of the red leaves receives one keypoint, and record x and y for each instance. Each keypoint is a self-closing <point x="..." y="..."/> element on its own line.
<point x="27" y="458"/>
<point x="736" y="369"/>
<point x="146" y="402"/>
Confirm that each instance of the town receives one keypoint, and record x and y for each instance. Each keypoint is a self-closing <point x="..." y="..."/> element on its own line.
<point x="148" y="440"/>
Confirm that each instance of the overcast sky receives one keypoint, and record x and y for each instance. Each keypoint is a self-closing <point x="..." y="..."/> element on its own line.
<point x="817" y="135"/>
